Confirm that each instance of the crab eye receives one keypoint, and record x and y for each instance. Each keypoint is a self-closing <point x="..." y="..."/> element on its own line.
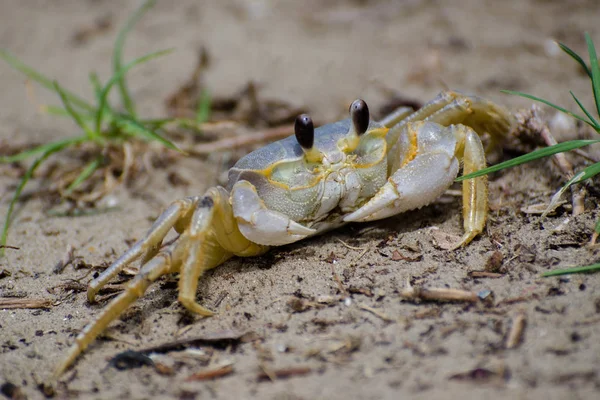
<point x="305" y="131"/>
<point x="359" y="112"/>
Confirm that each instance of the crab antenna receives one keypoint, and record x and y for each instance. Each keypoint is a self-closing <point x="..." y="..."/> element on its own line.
<point x="304" y="130"/>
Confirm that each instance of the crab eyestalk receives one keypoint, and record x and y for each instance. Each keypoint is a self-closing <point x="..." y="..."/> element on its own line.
<point x="359" y="115"/>
<point x="304" y="130"/>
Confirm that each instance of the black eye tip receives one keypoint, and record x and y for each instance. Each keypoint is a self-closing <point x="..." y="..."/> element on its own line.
<point x="358" y="105"/>
<point x="359" y="112"/>
<point x="305" y="131"/>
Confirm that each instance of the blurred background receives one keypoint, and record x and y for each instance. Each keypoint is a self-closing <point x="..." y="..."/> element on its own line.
<point x="314" y="55"/>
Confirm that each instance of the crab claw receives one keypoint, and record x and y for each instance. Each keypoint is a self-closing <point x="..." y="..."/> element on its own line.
<point x="261" y="225"/>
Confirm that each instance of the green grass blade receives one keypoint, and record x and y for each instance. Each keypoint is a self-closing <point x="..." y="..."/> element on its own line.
<point x="559" y="108"/>
<point x="49" y="147"/>
<point x="28" y="174"/>
<point x="589" y="268"/>
<point x="203" y="110"/>
<point x="42" y="80"/>
<point x="78" y="119"/>
<point x="116" y="78"/>
<point x="576" y="57"/>
<point x="85" y="174"/>
<point x="595" y="70"/>
<point x="118" y="53"/>
<point x="534" y="155"/>
<point x="96" y="85"/>
<point x="586" y="173"/>
<point x="61" y="112"/>
<point x="133" y="127"/>
<point x="157" y="123"/>
<point x="590" y="116"/>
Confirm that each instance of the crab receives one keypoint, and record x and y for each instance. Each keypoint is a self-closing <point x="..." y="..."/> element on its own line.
<point x="354" y="170"/>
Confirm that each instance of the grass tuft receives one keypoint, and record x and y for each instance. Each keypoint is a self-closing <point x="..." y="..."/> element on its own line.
<point x="103" y="127"/>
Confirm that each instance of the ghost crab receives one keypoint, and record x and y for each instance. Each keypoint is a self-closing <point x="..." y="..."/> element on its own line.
<point x="353" y="170"/>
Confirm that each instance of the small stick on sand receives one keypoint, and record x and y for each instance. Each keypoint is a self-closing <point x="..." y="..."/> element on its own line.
<point x="66" y="259"/>
<point x="515" y="335"/>
<point x="24" y="303"/>
<point x="485" y="274"/>
<point x="268" y="374"/>
<point x="376" y="312"/>
<point x="439" y="294"/>
<point x="210" y="374"/>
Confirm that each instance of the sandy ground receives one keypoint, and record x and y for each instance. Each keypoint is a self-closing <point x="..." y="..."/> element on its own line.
<point x="320" y="58"/>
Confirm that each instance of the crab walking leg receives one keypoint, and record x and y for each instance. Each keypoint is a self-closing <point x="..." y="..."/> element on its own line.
<point x="208" y="238"/>
<point x="475" y="192"/>
<point x="154" y="269"/>
<point x="481" y="115"/>
<point x="396" y="116"/>
<point x="450" y="108"/>
<point x="212" y="238"/>
<point x="174" y="216"/>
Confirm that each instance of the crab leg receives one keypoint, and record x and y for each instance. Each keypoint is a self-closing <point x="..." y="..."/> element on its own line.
<point x="212" y="238"/>
<point x="475" y="192"/>
<point x="209" y="236"/>
<point x="174" y="216"/>
<point x="396" y="116"/>
<point x="160" y="265"/>
<point x="451" y="107"/>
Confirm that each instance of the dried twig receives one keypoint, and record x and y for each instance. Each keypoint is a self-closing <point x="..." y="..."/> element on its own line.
<point x="439" y="294"/>
<point x="283" y="373"/>
<point x="515" y="334"/>
<point x="219" y="340"/>
<point x="66" y="259"/>
<point x="210" y="374"/>
<point x="350" y="247"/>
<point x="375" y="312"/>
<point x="485" y="274"/>
<point x="79" y="287"/>
<point x="397" y="256"/>
<point x="24" y="303"/>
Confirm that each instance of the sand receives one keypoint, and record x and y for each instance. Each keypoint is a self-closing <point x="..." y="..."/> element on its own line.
<point x="347" y="332"/>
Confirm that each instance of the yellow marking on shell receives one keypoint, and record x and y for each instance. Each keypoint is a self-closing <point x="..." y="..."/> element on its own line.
<point x="414" y="147"/>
